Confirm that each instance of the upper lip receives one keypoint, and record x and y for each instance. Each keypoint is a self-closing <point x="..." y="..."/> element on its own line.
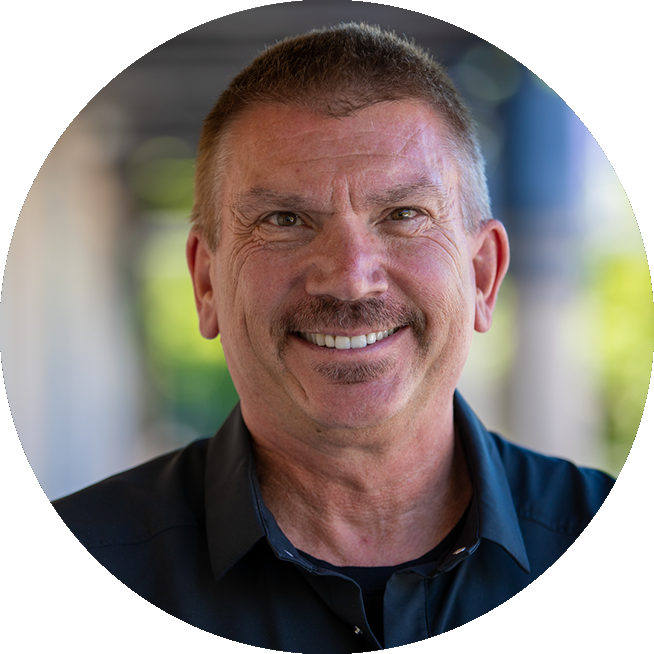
<point x="348" y="333"/>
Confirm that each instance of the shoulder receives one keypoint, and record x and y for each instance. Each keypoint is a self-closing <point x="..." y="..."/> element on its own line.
<point x="552" y="492"/>
<point x="140" y="503"/>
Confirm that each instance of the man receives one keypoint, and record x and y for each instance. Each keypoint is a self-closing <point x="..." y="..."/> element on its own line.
<point x="343" y="247"/>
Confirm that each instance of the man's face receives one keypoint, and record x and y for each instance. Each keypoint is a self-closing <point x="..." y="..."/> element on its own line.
<point x="343" y="284"/>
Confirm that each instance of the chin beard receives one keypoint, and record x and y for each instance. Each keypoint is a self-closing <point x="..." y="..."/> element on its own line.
<point x="354" y="373"/>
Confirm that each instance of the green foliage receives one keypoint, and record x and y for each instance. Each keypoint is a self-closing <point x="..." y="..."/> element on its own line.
<point x="189" y="376"/>
<point x="626" y="342"/>
<point x="160" y="173"/>
<point x="188" y="372"/>
<point x="609" y="52"/>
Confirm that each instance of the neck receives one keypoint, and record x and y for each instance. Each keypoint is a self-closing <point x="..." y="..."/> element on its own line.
<point x="374" y="497"/>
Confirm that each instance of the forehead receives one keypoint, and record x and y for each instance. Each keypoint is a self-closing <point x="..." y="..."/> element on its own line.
<point x="273" y="145"/>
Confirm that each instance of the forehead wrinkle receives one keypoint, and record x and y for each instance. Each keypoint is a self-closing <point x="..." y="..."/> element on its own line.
<point x="258" y="196"/>
<point x="421" y="187"/>
<point x="373" y="153"/>
<point x="376" y="155"/>
<point x="341" y="131"/>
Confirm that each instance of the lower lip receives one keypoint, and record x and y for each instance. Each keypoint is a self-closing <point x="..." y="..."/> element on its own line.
<point x="350" y="352"/>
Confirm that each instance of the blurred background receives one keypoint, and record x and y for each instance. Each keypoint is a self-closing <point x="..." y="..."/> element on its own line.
<point x="104" y="365"/>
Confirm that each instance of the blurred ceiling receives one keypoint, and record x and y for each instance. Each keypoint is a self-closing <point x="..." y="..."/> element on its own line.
<point x="156" y="67"/>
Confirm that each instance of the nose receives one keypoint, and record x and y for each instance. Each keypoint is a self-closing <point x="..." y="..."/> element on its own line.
<point x="347" y="263"/>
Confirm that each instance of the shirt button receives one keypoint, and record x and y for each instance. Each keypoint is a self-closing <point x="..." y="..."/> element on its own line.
<point x="460" y="550"/>
<point x="357" y="631"/>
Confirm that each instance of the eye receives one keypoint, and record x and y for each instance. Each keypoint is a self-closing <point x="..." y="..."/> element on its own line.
<point x="285" y="219"/>
<point x="404" y="213"/>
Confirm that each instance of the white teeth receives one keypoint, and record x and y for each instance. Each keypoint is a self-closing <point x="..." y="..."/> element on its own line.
<point x="346" y="342"/>
<point x="342" y="343"/>
<point x="358" y="341"/>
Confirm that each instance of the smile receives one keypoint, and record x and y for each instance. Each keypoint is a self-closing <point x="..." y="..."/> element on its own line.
<point x="346" y="342"/>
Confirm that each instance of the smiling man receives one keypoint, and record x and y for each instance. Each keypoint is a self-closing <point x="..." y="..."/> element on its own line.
<point x="346" y="287"/>
<point x="343" y="248"/>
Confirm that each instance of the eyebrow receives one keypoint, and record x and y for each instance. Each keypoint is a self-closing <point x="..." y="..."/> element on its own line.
<point x="421" y="187"/>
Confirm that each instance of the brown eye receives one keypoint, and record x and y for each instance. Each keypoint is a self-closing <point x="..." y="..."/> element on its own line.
<point x="284" y="219"/>
<point x="403" y="214"/>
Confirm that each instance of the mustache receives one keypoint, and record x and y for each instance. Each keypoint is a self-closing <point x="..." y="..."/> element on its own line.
<point x="318" y="313"/>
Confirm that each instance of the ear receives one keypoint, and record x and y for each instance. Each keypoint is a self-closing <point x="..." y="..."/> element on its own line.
<point x="490" y="261"/>
<point x="199" y="259"/>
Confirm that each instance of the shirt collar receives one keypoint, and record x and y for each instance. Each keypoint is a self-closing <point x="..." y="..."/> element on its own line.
<point x="234" y="521"/>
<point x="236" y="515"/>
<point x="237" y="518"/>
<point x="496" y="514"/>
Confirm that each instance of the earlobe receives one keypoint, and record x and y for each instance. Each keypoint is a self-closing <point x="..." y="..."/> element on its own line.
<point x="199" y="259"/>
<point x="490" y="262"/>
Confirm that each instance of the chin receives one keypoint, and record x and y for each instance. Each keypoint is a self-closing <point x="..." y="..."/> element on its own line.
<point x="351" y="405"/>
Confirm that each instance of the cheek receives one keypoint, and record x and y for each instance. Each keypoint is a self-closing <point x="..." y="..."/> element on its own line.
<point x="238" y="257"/>
<point x="435" y="275"/>
<point x="258" y="282"/>
<point x="440" y="285"/>
<point x="246" y="303"/>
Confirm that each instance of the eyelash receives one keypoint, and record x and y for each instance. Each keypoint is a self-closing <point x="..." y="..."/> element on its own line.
<point x="400" y="209"/>
<point x="273" y="218"/>
<point x="278" y="214"/>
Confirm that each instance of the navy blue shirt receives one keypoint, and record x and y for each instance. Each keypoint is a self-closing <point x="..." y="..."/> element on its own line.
<point x="372" y="581"/>
<point x="190" y="533"/>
